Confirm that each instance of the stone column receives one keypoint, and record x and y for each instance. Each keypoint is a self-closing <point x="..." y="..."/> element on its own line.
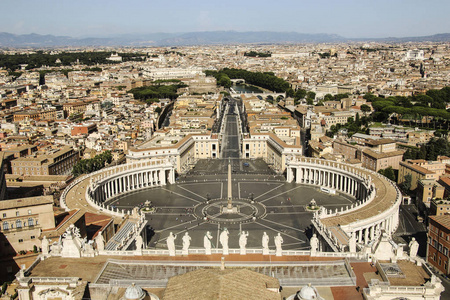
<point x="289" y="174"/>
<point x="366" y="235"/>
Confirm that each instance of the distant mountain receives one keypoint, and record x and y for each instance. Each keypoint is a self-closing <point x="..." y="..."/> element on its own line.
<point x="252" y="37"/>
<point x="441" y="37"/>
<point x="194" y="38"/>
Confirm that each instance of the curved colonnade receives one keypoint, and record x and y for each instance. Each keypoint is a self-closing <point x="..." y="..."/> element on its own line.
<point x="111" y="182"/>
<point x="376" y="209"/>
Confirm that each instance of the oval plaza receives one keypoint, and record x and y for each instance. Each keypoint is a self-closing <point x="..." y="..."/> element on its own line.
<point x="204" y="205"/>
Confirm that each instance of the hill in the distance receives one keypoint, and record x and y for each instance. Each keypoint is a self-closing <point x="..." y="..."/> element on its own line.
<point x="195" y="38"/>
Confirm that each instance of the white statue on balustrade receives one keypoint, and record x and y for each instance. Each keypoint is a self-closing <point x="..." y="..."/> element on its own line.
<point x="314" y="242"/>
<point x="207" y="242"/>
<point x="171" y="243"/>
<point x="139" y="243"/>
<point x="45" y="245"/>
<point x="186" y="243"/>
<point x="265" y="243"/>
<point x="100" y="242"/>
<point x="413" y="248"/>
<point x="72" y="244"/>
<point x="243" y="242"/>
<point x="278" y="242"/>
<point x="352" y="243"/>
<point x="223" y="238"/>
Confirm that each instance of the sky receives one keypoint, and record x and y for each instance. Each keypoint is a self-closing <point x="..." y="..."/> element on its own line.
<point x="347" y="18"/>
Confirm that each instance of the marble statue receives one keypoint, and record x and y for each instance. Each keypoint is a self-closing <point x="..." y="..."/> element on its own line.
<point x="186" y="243"/>
<point x="139" y="243"/>
<point x="71" y="242"/>
<point x="278" y="241"/>
<point x="265" y="243"/>
<point x="171" y="243"/>
<point x="100" y="242"/>
<point x="223" y="238"/>
<point x="243" y="242"/>
<point x="413" y="248"/>
<point x="314" y="242"/>
<point x="56" y="247"/>
<point x="44" y="246"/>
<point x="207" y="242"/>
<point x="352" y="243"/>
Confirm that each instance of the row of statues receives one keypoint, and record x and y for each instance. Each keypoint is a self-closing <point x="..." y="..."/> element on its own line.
<point x="223" y="240"/>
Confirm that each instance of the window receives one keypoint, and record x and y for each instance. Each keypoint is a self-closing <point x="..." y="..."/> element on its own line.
<point x="440" y="247"/>
<point x="4" y="215"/>
<point x="5" y="226"/>
<point x="32" y="237"/>
<point x="17" y="214"/>
<point x="30" y="222"/>
<point x="435" y="243"/>
<point x="18" y="224"/>
<point x="29" y="211"/>
<point x="445" y="251"/>
<point x="20" y="240"/>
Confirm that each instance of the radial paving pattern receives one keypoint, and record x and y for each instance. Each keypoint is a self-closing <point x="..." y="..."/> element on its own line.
<point x="193" y="205"/>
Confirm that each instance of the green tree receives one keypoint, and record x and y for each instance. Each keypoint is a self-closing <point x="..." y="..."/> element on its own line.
<point x="365" y="108"/>
<point x="406" y="184"/>
<point x="299" y="94"/>
<point x="310" y="95"/>
<point x="389" y="173"/>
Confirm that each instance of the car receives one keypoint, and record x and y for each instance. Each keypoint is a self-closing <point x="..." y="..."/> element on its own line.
<point x="246" y="164"/>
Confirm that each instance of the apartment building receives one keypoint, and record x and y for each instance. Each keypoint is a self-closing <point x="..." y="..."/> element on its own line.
<point x="53" y="162"/>
<point x="417" y="172"/>
<point x="427" y="190"/>
<point x="22" y="221"/>
<point x="439" y="242"/>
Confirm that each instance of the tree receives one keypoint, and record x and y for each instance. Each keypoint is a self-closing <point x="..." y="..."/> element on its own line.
<point x="310" y="95"/>
<point x="158" y="110"/>
<point x="406" y="184"/>
<point x="299" y="94"/>
<point x="365" y="108"/>
<point x="389" y="173"/>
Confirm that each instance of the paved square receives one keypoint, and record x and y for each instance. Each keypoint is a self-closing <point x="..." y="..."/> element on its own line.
<point x="194" y="205"/>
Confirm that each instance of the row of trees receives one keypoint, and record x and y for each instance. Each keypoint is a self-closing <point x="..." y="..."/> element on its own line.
<point x="152" y="93"/>
<point x="429" y="151"/>
<point x="265" y="80"/>
<point x="413" y="109"/>
<point x="257" y="54"/>
<point x="86" y="166"/>
<point x="39" y="59"/>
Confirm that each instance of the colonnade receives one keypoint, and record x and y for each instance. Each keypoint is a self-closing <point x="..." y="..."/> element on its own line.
<point x="368" y="233"/>
<point x="345" y="182"/>
<point x="138" y="179"/>
<point x="367" y="224"/>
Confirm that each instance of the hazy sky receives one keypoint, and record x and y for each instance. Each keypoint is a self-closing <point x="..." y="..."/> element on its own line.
<point x="348" y="18"/>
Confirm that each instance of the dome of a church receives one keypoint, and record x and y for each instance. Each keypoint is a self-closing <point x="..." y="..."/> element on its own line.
<point x="308" y="293"/>
<point x="134" y="292"/>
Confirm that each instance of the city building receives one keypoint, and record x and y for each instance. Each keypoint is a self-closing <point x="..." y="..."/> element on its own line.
<point x="22" y="221"/>
<point x="438" y="242"/>
<point x="53" y="162"/>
